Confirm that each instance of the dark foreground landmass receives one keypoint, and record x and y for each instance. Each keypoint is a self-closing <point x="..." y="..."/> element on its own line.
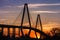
<point x="55" y="37"/>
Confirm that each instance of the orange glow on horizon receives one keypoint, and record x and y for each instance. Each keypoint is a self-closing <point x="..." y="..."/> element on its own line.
<point x="32" y="34"/>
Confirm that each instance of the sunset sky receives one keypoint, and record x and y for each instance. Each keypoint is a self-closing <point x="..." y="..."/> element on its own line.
<point x="48" y="9"/>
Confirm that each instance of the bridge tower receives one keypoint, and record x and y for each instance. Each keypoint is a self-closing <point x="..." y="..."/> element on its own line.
<point x="38" y="21"/>
<point x="25" y="9"/>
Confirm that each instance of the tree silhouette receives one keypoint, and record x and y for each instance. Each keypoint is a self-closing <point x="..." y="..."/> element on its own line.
<point x="56" y="34"/>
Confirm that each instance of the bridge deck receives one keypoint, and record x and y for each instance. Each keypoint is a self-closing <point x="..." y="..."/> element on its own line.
<point x="24" y="27"/>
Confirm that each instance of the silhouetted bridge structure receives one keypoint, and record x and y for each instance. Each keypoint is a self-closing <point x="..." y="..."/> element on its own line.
<point x="24" y="27"/>
<point x="24" y="37"/>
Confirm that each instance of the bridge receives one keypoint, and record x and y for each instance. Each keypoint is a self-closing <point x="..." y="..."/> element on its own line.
<point x="24" y="37"/>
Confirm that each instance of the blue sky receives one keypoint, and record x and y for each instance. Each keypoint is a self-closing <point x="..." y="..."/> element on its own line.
<point x="19" y="2"/>
<point x="49" y="10"/>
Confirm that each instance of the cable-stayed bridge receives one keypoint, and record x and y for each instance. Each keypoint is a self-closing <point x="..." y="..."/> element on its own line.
<point x="24" y="37"/>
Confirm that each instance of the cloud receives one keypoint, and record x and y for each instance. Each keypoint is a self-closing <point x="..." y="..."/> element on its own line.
<point x="37" y="5"/>
<point x="3" y="19"/>
<point x="50" y="25"/>
<point x="45" y="12"/>
<point x="16" y="6"/>
<point x="33" y="6"/>
<point x="8" y="11"/>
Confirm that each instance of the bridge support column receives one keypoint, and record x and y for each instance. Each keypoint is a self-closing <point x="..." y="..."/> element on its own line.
<point x="14" y="32"/>
<point x="2" y="31"/>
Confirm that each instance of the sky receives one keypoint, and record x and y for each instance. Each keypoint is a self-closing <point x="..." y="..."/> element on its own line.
<point x="48" y="9"/>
